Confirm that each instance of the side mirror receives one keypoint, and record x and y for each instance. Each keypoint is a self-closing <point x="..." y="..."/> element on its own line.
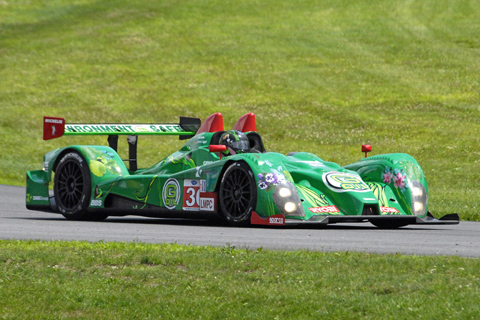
<point x="366" y="148"/>
<point x="217" y="148"/>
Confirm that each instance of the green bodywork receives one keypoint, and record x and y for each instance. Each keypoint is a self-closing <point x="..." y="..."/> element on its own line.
<point x="189" y="178"/>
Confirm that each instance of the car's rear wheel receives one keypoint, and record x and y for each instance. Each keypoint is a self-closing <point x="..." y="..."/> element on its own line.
<point x="238" y="194"/>
<point x="73" y="188"/>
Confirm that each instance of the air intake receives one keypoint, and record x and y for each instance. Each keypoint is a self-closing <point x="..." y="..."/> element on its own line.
<point x="370" y="210"/>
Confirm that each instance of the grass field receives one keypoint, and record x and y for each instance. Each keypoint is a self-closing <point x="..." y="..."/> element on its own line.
<point x="79" y="280"/>
<point x="321" y="76"/>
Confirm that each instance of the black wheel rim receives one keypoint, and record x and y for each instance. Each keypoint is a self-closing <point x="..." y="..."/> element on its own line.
<point x="70" y="185"/>
<point x="237" y="193"/>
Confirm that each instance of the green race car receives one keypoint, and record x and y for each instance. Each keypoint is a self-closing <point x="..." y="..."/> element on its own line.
<point x="226" y="173"/>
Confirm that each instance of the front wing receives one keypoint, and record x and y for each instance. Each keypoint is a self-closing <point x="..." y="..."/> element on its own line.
<point x="325" y="220"/>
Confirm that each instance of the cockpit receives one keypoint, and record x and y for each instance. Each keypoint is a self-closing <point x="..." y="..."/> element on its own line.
<point x="245" y="124"/>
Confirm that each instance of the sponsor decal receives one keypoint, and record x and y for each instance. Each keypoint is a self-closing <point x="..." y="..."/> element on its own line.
<point x="344" y="182"/>
<point x="40" y="198"/>
<point x="96" y="203"/>
<point x="388" y="210"/>
<point x="125" y="128"/>
<point x="52" y="127"/>
<point x="53" y="120"/>
<point x="325" y="209"/>
<point x="76" y="156"/>
<point x="196" y="198"/>
<point x="191" y="195"/>
<point x="208" y="201"/>
<point x="268" y="163"/>
<point x="275" y="220"/>
<point x="201" y="140"/>
<point x="198" y="173"/>
<point x="314" y="163"/>
<point x="171" y="193"/>
<point x="36" y="198"/>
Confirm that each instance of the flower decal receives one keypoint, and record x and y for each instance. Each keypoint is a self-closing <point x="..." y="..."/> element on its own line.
<point x="398" y="176"/>
<point x="262" y="185"/>
<point x="387" y="176"/>
<point x="271" y="178"/>
<point x="399" y="180"/>
<point x="266" y="180"/>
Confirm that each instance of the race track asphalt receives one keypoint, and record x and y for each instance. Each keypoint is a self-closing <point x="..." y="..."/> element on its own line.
<point x="16" y="222"/>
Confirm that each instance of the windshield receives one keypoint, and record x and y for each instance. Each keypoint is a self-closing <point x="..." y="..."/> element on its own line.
<point x="241" y="145"/>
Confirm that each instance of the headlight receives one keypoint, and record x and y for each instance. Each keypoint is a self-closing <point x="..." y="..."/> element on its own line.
<point x="290" y="207"/>
<point x="287" y="200"/>
<point x="419" y="198"/>
<point x="417" y="191"/>
<point x="284" y="192"/>
<point x="418" y="207"/>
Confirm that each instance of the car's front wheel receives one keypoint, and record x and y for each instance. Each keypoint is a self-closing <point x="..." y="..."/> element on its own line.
<point x="238" y="194"/>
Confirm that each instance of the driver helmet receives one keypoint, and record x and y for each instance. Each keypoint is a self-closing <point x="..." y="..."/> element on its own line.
<point x="235" y="141"/>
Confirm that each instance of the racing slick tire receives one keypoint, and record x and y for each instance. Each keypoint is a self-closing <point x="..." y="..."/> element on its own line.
<point x="238" y="194"/>
<point x="73" y="188"/>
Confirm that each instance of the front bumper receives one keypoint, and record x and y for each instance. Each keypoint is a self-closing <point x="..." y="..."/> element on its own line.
<point x="428" y="220"/>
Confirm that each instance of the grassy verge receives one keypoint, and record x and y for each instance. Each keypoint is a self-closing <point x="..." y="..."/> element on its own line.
<point x="321" y="76"/>
<point x="62" y="280"/>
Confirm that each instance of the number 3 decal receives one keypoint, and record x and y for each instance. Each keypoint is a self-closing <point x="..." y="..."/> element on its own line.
<point x="195" y="197"/>
<point x="191" y="196"/>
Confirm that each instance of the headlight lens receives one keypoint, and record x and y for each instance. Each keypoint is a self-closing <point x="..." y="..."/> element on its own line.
<point x="418" y="207"/>
<point x="419" y="198"/>
<point x="284" y="192"/>
<point x="287" y="200"/>
<point x="417" y="192"/>
<point x="290" y="207"/>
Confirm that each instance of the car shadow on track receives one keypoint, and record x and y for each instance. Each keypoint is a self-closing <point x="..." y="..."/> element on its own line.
<point x="218" y="222"/>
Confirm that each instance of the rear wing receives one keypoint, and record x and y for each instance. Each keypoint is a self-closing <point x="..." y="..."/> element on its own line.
<point x="56" y="127"/>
